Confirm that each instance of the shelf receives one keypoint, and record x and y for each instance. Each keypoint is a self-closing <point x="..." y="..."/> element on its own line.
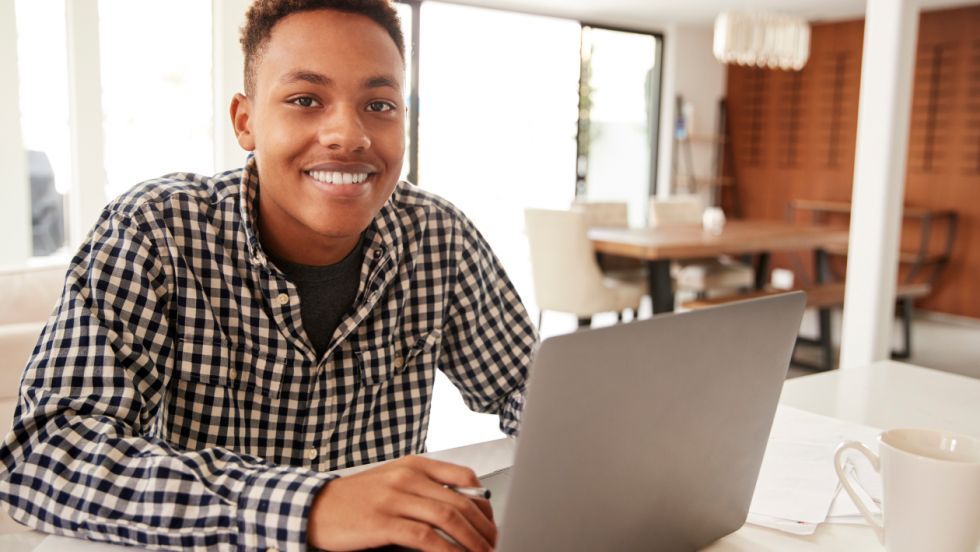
<point x="702" y="139"/>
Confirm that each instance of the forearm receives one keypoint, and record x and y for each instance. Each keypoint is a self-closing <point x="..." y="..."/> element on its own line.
<point x="89" y="477"/>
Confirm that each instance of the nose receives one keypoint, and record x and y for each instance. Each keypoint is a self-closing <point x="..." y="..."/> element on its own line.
<point x="343" y="130"/>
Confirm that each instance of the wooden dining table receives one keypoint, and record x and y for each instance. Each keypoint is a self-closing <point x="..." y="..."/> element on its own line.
<point x="663" y="244"/>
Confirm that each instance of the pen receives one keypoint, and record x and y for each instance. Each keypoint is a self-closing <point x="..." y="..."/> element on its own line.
<point x="471" y="492"/>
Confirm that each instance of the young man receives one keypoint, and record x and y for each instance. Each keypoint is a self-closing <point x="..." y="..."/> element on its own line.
<point x="222" y="343"/>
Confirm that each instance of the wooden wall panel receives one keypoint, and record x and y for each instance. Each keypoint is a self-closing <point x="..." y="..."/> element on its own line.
<point x="943" y="170"/>
<point x="793" y="134"/>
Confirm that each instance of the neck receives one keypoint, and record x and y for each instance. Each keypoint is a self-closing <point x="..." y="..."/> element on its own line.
<point x="301" y="245"/>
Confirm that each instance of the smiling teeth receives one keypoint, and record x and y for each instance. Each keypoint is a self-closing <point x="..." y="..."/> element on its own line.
<point x="338" y="177"/>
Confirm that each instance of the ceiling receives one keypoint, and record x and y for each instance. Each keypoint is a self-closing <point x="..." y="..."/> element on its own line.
<point x="658" y="13"/>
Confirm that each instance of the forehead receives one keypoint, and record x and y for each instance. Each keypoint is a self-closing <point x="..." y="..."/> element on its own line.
<point x="335" y="44"/>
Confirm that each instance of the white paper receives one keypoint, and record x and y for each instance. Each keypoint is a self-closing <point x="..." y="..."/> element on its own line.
<point x="798" y="485"/>
<point x="797" y="482"/>
<point x="793" y="424"/>
<point x="795" y="527"/>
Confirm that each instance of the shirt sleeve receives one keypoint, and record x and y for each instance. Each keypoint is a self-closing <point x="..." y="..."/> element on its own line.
<point x="84" y="457"/>
<point x="489" y="338"/>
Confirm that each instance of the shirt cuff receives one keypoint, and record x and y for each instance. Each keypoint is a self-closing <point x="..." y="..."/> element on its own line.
<point x="510" y="418"/>
<point x="274" y="507"/>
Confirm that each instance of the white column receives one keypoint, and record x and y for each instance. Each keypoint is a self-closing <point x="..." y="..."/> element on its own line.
<point x="85" y="117"/>
<point x="227" y="78"/>
<point x="890" y="35"/>
<point x="15" y="209"/>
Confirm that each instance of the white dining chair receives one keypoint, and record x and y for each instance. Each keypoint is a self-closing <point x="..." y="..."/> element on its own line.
<point x="602" y="214"/>
<point x="699" y="275"/>
<point x="565" y="272"/>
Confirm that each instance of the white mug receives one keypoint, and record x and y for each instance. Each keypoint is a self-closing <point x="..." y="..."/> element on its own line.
<point x="930" y="490"/>
<point x="713" y="219"/>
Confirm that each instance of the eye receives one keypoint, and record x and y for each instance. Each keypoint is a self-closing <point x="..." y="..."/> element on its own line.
<point x="305" y="101"/>
<point x="380" y="106"/>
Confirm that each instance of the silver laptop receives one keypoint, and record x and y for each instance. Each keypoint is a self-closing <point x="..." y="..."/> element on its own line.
<point x="647" y="435"/>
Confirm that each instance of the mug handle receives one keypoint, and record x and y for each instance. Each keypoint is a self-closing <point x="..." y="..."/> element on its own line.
<point x="876" y="464"/>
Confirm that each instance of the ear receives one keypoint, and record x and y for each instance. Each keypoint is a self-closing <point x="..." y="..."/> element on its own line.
<point x="241" y="120"/>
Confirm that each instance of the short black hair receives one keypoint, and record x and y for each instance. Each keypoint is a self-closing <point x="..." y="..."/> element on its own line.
<point x="263" y="15"/>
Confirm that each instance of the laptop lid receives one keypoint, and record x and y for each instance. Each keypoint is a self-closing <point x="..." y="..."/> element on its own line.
<point x="649" y="435"/>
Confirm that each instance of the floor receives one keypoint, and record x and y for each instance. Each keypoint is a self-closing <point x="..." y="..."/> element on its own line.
<point x="940" y="342"/>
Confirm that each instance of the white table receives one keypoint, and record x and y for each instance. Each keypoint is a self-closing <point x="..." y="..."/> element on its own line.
<point x="884" y="395"/>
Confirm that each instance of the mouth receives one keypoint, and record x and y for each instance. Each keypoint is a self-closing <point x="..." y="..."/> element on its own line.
<point x="338" y="178"/>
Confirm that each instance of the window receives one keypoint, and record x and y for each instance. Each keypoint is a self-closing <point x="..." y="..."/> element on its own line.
<point x="407" y="16"/>
<point x="42" y="62"/>
<point x="498" y="126"/>
<point x="617" y="125"/>
<point x="156" y="82"/>
<point x="499" y="102"/>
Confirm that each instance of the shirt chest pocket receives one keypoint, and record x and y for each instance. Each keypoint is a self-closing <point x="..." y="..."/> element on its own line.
<point x="219" y="363"/>
<point x="380" y="364"/>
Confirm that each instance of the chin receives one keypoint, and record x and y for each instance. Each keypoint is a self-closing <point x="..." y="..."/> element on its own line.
<point x="341" y="231"/>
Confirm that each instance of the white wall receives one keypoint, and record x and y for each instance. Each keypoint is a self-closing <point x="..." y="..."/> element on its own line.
<point x="700" y="78"/>
<point x="227" y="74"/>
<point x="690" y="70"/>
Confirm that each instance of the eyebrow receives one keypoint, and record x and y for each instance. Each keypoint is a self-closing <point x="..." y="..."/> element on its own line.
<point x="306" y="76"/>
<point x="378" y="81"/>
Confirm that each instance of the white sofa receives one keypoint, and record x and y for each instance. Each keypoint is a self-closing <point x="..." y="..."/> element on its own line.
<point x="27" y="297"/>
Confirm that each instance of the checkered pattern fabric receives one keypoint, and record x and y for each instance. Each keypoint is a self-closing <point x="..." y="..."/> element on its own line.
<point x="175" y="401"/>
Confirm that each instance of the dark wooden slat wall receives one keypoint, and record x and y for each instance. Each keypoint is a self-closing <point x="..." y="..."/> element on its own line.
<point x="792" y="136"/>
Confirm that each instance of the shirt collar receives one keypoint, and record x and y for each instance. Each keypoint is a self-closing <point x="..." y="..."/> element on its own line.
<point x="248" y="203"/>
<point x="383" y="234"/>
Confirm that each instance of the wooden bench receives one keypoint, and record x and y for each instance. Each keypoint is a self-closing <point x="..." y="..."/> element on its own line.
<point x="825" y="297"/>
<point x="924" y="262"/>
<point x="921" y="264"/>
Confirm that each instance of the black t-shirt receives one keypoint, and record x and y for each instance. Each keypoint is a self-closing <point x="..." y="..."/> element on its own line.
<point x="325" y="293"/>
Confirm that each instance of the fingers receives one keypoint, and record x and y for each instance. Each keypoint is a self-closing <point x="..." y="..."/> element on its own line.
<point x="414" y="534"/>
<point x="468" y="521"/>
<point x="450" y="474"/>
<point x="475" y="516"/>
<point x="484" y="506"/>
<point x="403" y="502"/>
<point x="454" y="522"/>
<point x="443" y="472"/>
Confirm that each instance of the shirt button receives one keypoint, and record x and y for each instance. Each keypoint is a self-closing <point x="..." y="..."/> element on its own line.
<point x="283" y="299"/>
<point x="377" y="253"/>
<point x="233" y="374"/>
<point x="399" y="362"/>
<point x="312" y="454"/>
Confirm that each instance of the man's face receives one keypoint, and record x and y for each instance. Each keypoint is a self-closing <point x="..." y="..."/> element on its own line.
<point x="327" y="125"/>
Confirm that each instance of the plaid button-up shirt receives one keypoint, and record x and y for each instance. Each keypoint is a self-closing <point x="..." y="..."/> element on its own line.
<point x="175" y="401"/>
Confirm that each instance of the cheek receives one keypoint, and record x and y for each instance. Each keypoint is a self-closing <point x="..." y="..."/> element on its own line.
<point x="280" y="140"/>
<point x="390" y="143"/>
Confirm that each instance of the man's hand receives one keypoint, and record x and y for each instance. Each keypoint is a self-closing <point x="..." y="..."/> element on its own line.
<point x="402" y="503"/>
